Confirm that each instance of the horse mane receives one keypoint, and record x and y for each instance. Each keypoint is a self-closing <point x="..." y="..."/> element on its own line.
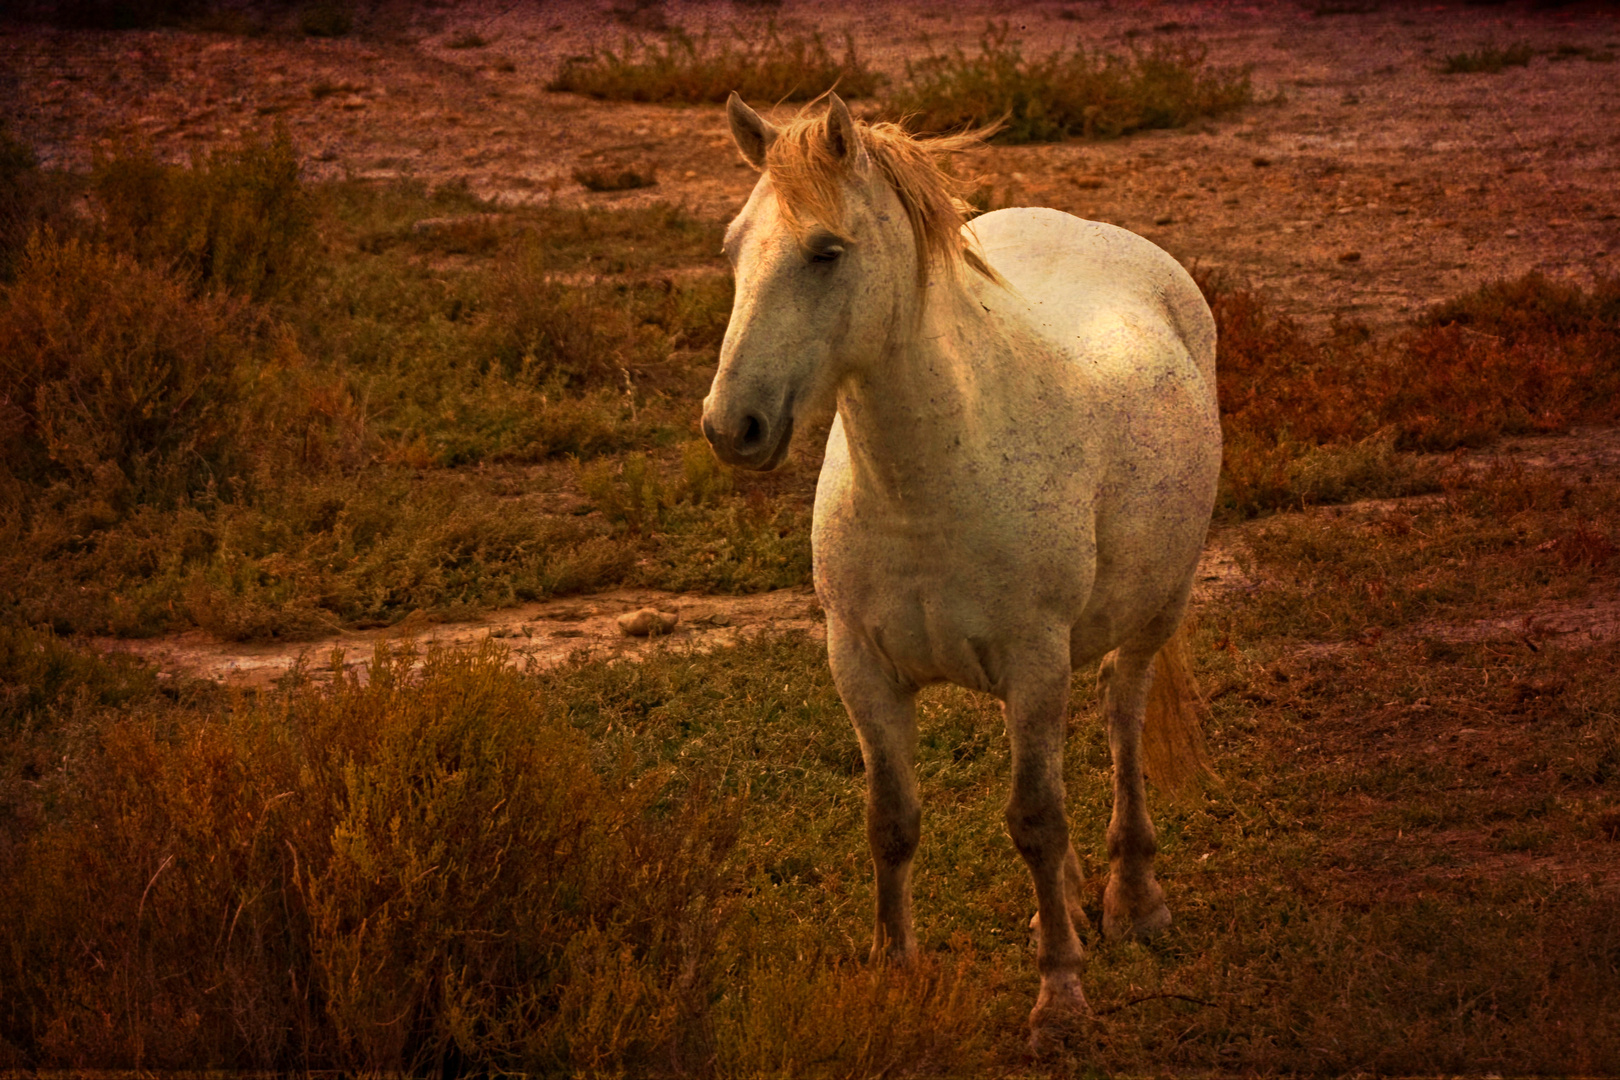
<point x="807" y="174"/>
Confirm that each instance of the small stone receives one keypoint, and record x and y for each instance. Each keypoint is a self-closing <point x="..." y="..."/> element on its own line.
<point x="1350" y="257"/>
<point x="1512" y="234"/>
<point x="648" y="622"/>
<point x="1165" y="220"/>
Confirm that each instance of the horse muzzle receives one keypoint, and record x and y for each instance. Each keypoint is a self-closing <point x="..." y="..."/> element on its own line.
<point x="750" y="441"/>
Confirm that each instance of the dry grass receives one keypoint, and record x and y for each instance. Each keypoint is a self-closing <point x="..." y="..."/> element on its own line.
<point x="624" y="178"/>
<point x="660" y="868"/>
<point x="220" y="427"/>
<point x="1322" y="420"/>
<point x="683" y="68"/>
<point x="1090" y="94"/>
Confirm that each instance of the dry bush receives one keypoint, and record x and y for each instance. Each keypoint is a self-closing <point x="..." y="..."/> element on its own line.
<point x="178" y="455"/>
<point x="119" y="380"/>
<point x="423" y="869"/>
<point x="623" y="178"/>
<point x="1076" y="93"/>
<point x="238" y="220"/>
<point x="766" y="67"/>
<point x="1319" y="420"/>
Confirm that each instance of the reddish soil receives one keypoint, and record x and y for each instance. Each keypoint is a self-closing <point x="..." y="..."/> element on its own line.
<point x="1364" y="185"/>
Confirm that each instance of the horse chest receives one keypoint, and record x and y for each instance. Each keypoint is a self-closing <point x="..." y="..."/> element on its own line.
<point x="939" y="600"/>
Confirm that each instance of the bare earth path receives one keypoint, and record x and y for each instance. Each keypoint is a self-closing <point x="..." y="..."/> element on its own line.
<point x="586" y="627"/>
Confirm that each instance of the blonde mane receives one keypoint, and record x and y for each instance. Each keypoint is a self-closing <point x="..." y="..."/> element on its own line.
<point x="808" y="176"/>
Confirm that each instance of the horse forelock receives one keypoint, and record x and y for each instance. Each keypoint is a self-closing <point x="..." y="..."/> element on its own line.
<point x="809" y="180"/>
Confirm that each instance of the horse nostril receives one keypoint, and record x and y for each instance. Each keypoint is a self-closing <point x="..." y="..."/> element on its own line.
<point x="753" y="432"/>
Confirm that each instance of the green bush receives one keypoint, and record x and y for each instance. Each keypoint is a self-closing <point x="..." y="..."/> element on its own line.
<point x="238" y="220"/>
<point x="682" y="68"/>
<point x="1092" y="94"/>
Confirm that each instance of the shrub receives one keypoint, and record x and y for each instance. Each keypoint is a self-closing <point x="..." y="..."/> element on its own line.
<point x="19" y="199"/>
<point x="1490" y="60"/>
<point x="1089" y="94"/>
<point x="687" y="69"/>
<point x="422" y="869"/>
<point x="327" y="19"/>
<point x="627" y="178"/>
<point x="125" y="14"/>
<point x="238" y="220"/>
<point x="119" y="379"/>
<point x="1320" y="419"/>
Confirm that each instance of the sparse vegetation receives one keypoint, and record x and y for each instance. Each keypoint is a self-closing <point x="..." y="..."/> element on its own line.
<point x="1078" y="92"/>
<point x="1489" y="59"/>
<point x="1321" y="420"/>
<point x="225" y="423"/>
<point x="683" y="68"/>
<point x="610" y="867"/>
<point x="624" y="178"/>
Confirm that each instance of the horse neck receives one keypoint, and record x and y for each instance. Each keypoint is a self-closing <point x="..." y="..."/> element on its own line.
<point x="925" y="396"/>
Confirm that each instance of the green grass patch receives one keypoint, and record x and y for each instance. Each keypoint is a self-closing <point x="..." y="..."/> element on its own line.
<point x="768" y="66"/>
<point x="1073" y="92"/>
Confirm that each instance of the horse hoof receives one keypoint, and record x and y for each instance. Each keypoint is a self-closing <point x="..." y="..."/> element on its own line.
<point x="1059" y="1015"/>
<point x="1118" y="927"/>
<point x="888" y="956"/>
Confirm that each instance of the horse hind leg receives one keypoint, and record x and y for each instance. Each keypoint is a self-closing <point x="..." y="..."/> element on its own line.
<point x="885" y="721"/>
<point x="1133" y="903"/>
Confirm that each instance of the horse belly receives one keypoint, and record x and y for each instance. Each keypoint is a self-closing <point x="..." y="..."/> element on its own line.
<point x="937" y="605"/>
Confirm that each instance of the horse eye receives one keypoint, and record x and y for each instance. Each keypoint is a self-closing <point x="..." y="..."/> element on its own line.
<point x="827" y="254"/>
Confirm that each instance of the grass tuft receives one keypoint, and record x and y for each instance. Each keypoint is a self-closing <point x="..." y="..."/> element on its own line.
<point x="683" y="68"/>
<point x="1488" y="59"/>
<point x="1090" y="94"/>
<point x="627" y="178"/>
<point x="238" y="220"/>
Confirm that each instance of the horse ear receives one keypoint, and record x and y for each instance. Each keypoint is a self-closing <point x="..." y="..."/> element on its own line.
<point x="753" y="133"/>
<point x="842" y="138"/>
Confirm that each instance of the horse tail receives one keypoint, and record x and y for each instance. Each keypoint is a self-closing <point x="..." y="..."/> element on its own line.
<point x="1173" y="750"/>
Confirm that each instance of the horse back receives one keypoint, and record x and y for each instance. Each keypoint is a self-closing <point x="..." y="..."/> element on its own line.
<point x="1096" y="292"/>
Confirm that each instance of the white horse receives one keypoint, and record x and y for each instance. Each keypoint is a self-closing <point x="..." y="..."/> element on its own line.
<point x="1019" y="481"/>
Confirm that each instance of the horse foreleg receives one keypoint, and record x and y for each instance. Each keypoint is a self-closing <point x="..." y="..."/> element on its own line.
<point x="1037" y="716"/>
<point x="1133" y="903"/>
<point x="885" y="720"/>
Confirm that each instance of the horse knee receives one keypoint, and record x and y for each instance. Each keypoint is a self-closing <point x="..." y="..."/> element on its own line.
<point x="1128" y="839"/>
<point x="1038" y="827"/>
<point x="893" y="833"/>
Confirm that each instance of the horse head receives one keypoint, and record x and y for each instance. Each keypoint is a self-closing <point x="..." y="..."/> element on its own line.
<point x="824" y="264"/>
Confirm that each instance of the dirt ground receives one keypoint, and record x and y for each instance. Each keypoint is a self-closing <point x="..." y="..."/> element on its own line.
<point x="1363" y="185"/>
